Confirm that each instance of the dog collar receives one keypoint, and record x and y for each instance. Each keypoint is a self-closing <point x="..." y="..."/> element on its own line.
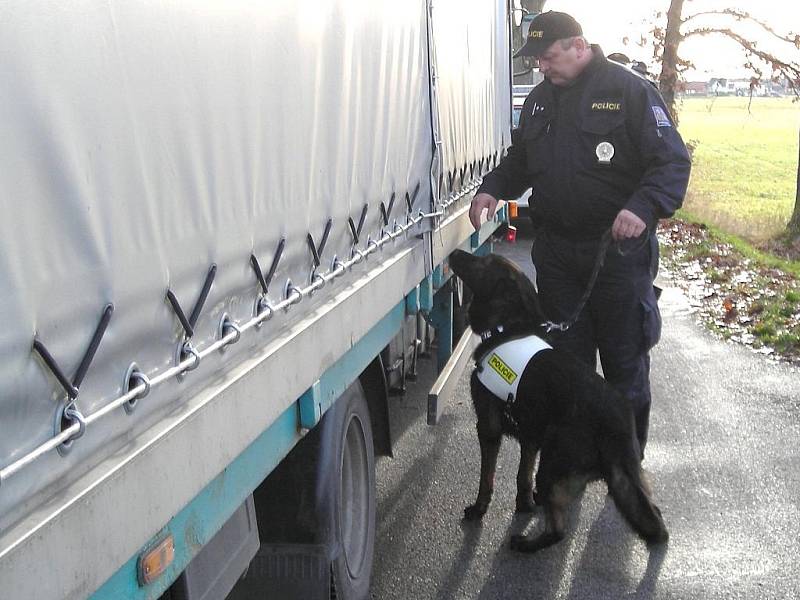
<point x="500" y="368"/>
<point x="488" y="334"/>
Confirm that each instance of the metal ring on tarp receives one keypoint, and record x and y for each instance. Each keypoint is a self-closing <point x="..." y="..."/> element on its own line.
<point x="357" y="255"/>
<point x="397" y="230"/>
<point x="133" y="379"/>
<point x="338" y="268"/>
<point x="70" y="413"/>
<point x="293" y="293"/>
<point x="263" y="306"/>
<point x="226" y="325"/>
<point x="317" y="281"/>
<point x="188" y="349"/>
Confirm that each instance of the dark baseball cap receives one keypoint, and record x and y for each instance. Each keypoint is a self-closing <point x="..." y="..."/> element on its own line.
<point x="545" y="29"/>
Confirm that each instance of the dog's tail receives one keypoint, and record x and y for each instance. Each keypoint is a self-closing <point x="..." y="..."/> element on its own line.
<point x="633" y="501"/>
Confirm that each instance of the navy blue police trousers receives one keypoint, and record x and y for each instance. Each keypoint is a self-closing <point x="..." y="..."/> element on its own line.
<point x="620" y="321"/>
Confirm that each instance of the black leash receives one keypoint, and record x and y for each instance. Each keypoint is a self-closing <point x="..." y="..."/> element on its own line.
<point x="605" y="242"/>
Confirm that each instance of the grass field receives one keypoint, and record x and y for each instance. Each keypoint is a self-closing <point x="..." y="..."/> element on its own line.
<point x="744" y="177"/>
<point x="744" y="164"/>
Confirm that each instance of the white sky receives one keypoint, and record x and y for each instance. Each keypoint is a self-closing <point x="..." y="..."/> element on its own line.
<point x="607" y="23"/>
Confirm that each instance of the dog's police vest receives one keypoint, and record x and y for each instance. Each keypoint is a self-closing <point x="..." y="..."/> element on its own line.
<point x="501" y="368"/>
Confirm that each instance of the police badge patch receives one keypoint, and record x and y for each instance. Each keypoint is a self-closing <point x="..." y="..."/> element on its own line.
<point x="662" y="120"/>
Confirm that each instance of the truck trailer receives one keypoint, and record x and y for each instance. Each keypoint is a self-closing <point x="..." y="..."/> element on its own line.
<point x="225" y="243"/>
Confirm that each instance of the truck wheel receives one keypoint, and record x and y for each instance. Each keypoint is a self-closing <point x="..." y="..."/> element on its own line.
<point x="354" y="497"/>
<point x="316" y="512"/>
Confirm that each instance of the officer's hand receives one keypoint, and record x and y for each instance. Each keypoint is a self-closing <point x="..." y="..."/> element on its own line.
<point x="626" y="226"/>
<point x="479" y="202"/>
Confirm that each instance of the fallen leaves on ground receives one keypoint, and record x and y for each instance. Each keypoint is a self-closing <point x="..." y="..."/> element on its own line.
<point x="742" y="300"/>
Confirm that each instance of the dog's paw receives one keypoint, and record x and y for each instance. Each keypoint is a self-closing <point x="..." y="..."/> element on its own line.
<point x="526" y="503"/>
<point x="660" y="537"/>
<point x="520" y="543"/>
<point x="531" y="544"/>
<point x="475" y="512"/>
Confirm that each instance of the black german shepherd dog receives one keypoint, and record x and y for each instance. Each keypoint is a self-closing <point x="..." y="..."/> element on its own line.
<point x="582" y="426"/>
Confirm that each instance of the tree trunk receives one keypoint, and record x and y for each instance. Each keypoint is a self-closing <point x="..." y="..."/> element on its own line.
<point x="668" y="81"/>
<point x="793" y="228"/>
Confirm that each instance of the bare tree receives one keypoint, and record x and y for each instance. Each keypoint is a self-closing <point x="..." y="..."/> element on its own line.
<point x="667" y="38"/>
<point x="784" y="65"/>
<point x="667" y="41"/>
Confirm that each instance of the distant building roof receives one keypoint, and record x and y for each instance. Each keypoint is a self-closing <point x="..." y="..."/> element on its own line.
<point x="695" y="86"/>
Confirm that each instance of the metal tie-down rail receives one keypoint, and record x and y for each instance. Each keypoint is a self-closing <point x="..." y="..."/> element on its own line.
<point x="138" y="384"/>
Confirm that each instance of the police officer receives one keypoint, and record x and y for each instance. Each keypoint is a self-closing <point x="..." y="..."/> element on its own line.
<point x="596" y="143"/>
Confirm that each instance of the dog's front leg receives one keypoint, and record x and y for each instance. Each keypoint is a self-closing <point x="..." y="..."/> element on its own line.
<point x="490" y="447"/>
<point x="527" y="460"/>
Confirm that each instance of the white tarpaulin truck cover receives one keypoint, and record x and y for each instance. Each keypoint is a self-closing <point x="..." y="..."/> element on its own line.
<point x="144" y="143"/>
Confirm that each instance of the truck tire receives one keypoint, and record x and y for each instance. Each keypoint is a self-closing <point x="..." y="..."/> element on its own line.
<point x="316" y="512"/>
<point x="354" y="497"/>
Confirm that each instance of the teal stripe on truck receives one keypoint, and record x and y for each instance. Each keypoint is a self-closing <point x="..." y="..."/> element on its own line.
<point x="197" y="523"/>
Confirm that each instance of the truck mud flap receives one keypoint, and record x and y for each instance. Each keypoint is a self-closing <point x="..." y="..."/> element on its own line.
<point x="288" y="571"/>
<point x="445" y="384"/>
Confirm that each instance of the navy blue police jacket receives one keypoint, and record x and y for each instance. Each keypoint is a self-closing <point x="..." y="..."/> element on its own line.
<point x="561" y="149"/>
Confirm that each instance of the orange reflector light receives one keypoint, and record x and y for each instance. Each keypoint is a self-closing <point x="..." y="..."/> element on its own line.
<point x="511" y="234"/>
<point x="156" y="560"/>
<point x="513" y="210"/>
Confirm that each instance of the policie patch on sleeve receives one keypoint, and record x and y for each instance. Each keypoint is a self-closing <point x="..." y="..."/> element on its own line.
<point x="662" y="120"/>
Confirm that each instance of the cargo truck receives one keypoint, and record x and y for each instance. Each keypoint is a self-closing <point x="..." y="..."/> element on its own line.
<point x="225" y="239"/>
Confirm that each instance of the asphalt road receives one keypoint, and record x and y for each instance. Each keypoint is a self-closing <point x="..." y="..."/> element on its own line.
<point x="723" y="459"/>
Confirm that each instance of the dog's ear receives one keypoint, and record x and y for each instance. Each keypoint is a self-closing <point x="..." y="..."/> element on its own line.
<point x="468" y="268"/>
<point x="461" y="262"/>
